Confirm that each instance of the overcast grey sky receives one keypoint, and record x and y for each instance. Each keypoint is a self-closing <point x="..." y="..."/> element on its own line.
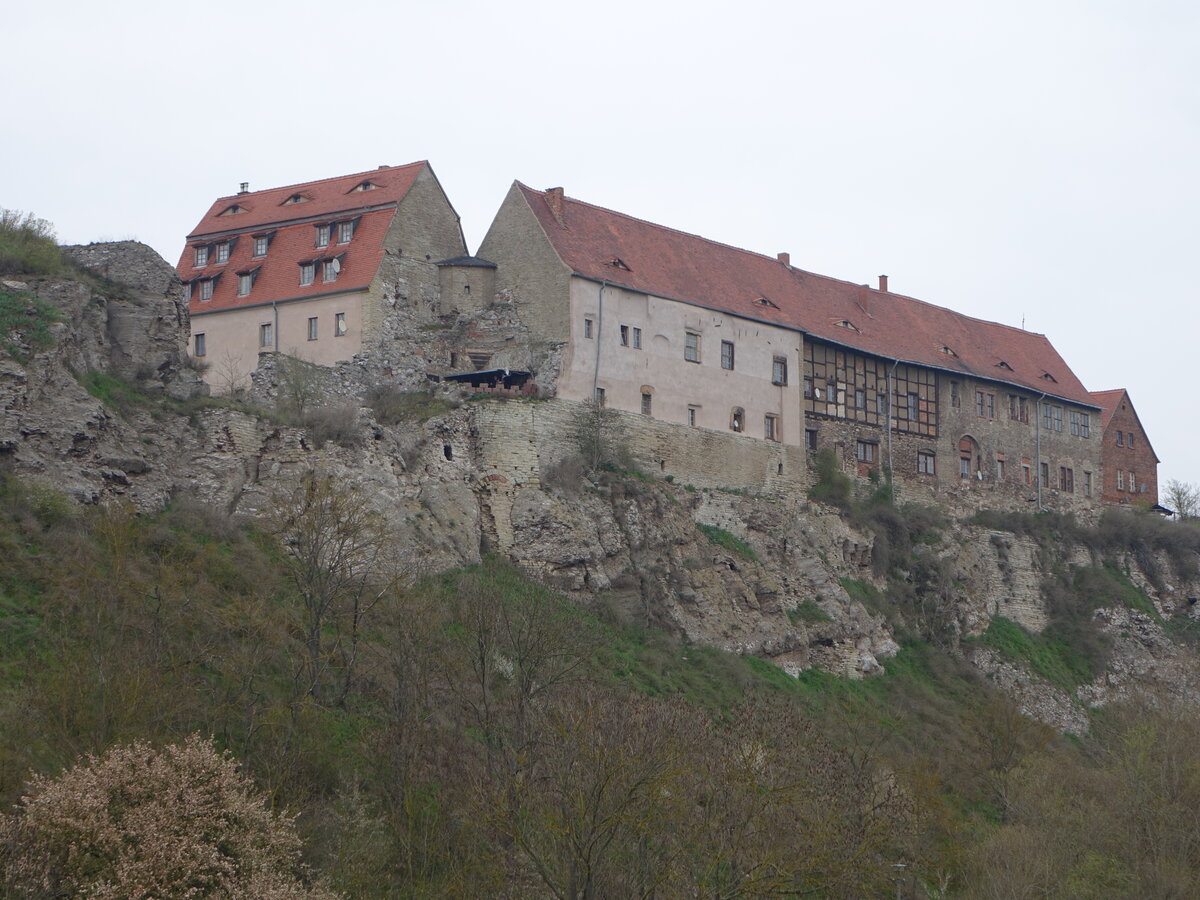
<point x="1023" y="161"/>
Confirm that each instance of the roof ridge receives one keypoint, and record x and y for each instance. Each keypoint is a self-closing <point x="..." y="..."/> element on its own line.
<point x="283" y="187"/>
<point x="773" y="259"/>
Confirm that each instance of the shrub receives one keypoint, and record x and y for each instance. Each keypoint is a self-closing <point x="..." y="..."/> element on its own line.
<point x="831" y="486"/>
<point x="27" y="246"/>
<point x="393" y="406"/>
<point x="337" y="422"/>
<point x="140" y="822"/>
<point x="25" y="321"/>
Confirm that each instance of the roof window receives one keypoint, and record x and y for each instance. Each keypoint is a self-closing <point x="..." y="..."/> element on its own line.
<point x="232" y="210"/>
<point x="295" y="198"/>
<point x="364" y="186"/>
<point x="617" y="263"/>
<point x="846" y="323"/>
<point x="763" y="301"/>
<point x="948" y="351"/>
<point x="1003" y="365"/>
<point x="1049" y="377"/>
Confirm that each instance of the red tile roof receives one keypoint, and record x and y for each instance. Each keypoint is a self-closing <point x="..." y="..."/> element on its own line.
<point x="1107" y="401"/>
<point x="293" y="237"/>
<point x="609" y="246"/>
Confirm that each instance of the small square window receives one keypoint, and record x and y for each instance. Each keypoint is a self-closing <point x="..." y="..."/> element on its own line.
<point x="323" y="235"/>
<point x="307" y="272"/>
<point x="727" y="355"/>
<point x="345" y="232"/>
<point x="202" y="256"/>
<point x="223" y="253"/>
<point x="647" y="399"/>
<point x="201" y="344"/>
<point x="260" y="246"/>
<point x="637" y="338"/>
<point x="624" y="335"/>
<point x="312" y="328"/>
<point x="265" y="334"/>
<point x="339" y="324"/>
<point x="244" y="284"/>
<point x="206" y="289"/>
<point x="587" y="328"/>
<point x="691" y="346"/>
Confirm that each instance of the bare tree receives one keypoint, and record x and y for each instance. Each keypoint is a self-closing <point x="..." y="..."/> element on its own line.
<point x="1184" y="498"/>
<point x="337" y="554"/>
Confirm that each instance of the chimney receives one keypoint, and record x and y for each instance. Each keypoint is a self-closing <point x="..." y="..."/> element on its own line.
<point x="883" y="283"/>
<point x="786" y="259"/>
<point x="554" y="199"/>
<point x="244" y="187"/>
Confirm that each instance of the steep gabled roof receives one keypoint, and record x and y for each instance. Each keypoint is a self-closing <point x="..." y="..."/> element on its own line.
<point x="291" y="229"/>
<point x="1108" y="401"/>
<point x="328" y="197"/>
<point x="608" y="246"/>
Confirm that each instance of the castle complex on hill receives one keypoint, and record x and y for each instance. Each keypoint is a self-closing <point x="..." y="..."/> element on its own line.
<point x="591" y="305"/>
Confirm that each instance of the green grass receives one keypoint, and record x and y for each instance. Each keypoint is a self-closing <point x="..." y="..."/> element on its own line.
<point x="731" y="542"/>
<point x="807" y="611"/>
<point x="25" y="321"/>
<point x="1053" y="658"/>
<point x="393" y="407"/>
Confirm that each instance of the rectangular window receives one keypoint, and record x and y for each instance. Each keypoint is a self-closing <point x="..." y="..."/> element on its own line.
<point x="345" y="232"/>
<point x="599" y="396"/>
<point x="202" y="256"/>
<point x="1087" y="484"/>
<point x="244" y="282"/>
<point x="727" y="354"/>
<point x="1120" y="480"/>
<point x="925" y="463"/>
<point x="187" y="293"/>
<point x="808" y="389"/>
<point x="1120" y="439"/>
<point x="587" y="328"/>
<point x="206" y="289"/>
<point x="1058" y="418"/>
<point x="637" y="338"/>
<point x="860" y="398"/>
<point x="265" y="334"/>
<point x="1000" y="469"/>
<point x="1085" y="425"/>
<point x="1018" y="409"/>
<point x="779" y="370"/>
<point x="914" y="407"/>
<point x="1129" y="439"/>
<point x="1132" y="484"/>
<point x="312" y="328"/>
<point x="691" y="418"/>
<point x="864" y="451"/>
<point x="330" y="269"/>
<point x="646" y="401"/>
<point x="691" y="346"/>
<point x="1045" y="475"/>
<point x="307" y="272"/>
<point x="339" y="324"/>
<point x="985" y="404"/>
<point x="810" y="439"/>
<point x="223" y="252"/>
<point x="964" y="467"/>
<point x="624" y="335"/>
<point x="1027" y="471"/>
<point x="201" y="346"/>
<point x="260" y="246"/>
<point x="955" y="401"/>
<point x="1066" y="479"/>
<point x="323" y="235"/>
<point x="1047" y="417"/>
<point x="770" y="428"/>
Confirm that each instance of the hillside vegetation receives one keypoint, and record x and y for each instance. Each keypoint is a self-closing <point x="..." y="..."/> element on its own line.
<point x="473" y="734"/>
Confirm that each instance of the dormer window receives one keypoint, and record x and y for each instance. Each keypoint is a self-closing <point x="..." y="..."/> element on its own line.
<point x="331" y="268"/>
<point x="246" y="280"/>
<point x="1048" y="377"/>
<point x="364" y="186"/>
<point x="232" y="210"/>
<point x="948" y="351"/>
<point x="261" y="244"/>
<point x="295" y="198"/>
<point x="307" y="272"/>
<point x="345" y="232"/>
<point x="846" y="323"/>
<point x="617" y="263"/>
<point x="763" y="301"/>
<point x="1003" y="365"/>
<point x="206" y="289"/>
<point x="202" y="256"/>
<point x="222" y="253"/>
<point x="323" y="235"/>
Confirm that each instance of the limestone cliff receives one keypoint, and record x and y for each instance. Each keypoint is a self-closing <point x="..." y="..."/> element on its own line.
<point x="763" y="573"/>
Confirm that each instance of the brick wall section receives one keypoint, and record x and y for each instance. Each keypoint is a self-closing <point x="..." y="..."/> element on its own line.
<point x="1139" y="459"/>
